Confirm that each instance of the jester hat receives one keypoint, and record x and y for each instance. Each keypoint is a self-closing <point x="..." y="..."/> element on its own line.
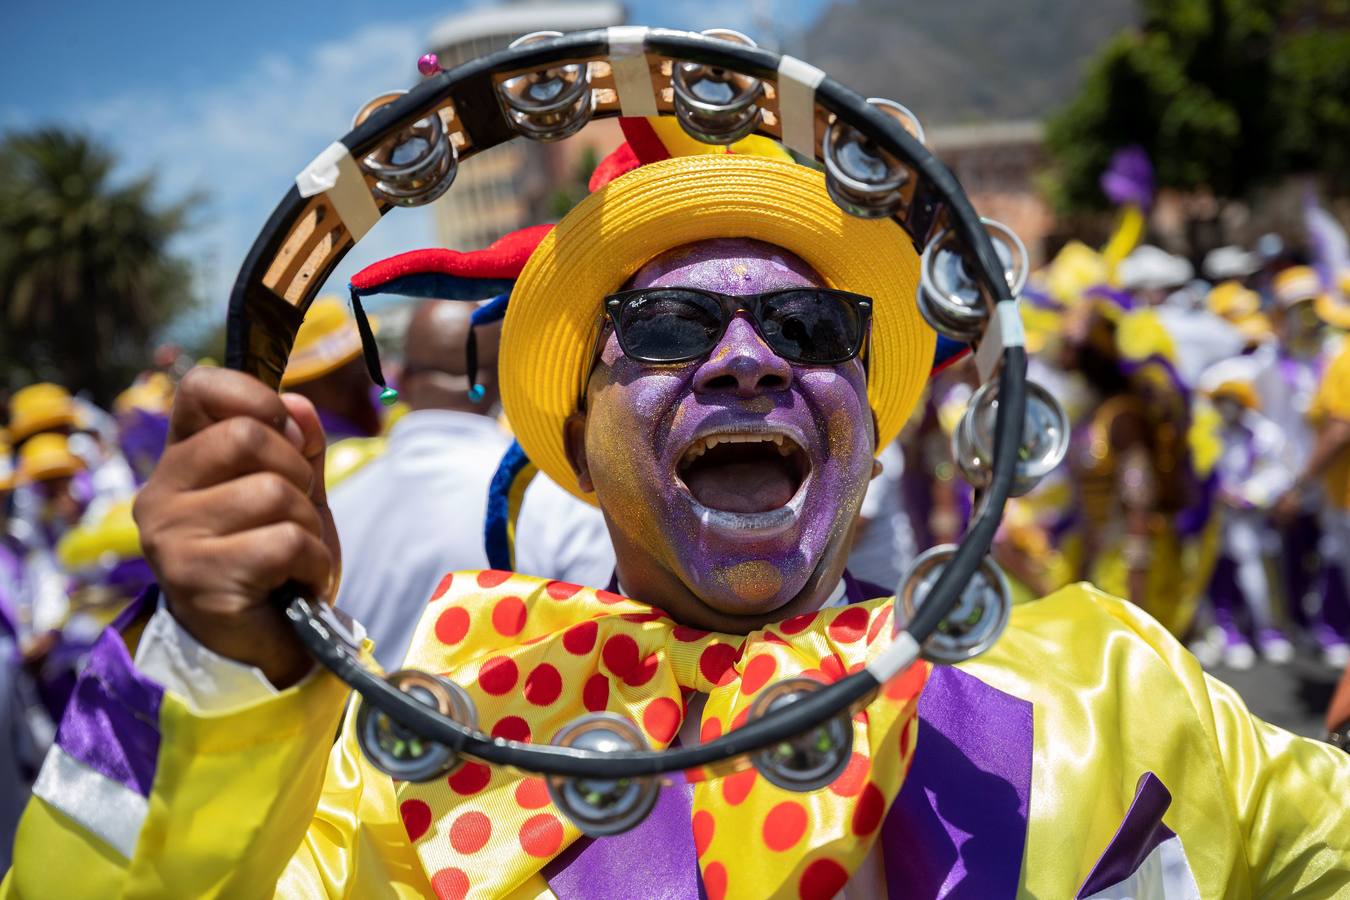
<point x="661" y="190"/>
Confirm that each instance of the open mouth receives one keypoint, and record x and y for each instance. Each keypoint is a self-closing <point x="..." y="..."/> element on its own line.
<point x="743" y="472"/>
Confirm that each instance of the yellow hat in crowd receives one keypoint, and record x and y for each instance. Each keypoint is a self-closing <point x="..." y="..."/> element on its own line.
<point x="47" y="456"/>
<point x="40" y="407"/>
<point x="328" y="339"/>
<point x="152" y="393"/>
<point x="1233" y="301"/>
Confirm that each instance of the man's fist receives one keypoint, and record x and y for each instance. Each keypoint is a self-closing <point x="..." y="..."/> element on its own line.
<point x="234" y="510"/>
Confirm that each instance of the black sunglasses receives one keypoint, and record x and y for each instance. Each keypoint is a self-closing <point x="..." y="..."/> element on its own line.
<point x="812" y="326"/>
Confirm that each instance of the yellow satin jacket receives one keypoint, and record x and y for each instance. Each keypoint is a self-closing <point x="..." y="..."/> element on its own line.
<point x="1085" y="755"/>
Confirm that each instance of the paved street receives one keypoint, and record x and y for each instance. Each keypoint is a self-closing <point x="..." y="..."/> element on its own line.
<point x="1293" y="696"/>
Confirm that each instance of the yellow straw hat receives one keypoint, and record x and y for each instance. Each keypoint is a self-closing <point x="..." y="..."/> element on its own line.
<point x="554" y="315"/>
<point x="1296" y="284"/>
<point x="1233" y="301"/>
<point x="328" y="339"/>
<point x="40" y="407"/>
<point x="46" y="456"/>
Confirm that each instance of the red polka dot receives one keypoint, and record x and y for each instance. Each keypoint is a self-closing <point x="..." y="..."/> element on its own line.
<point x="609" y="597"/>
<point x="735" y="788"/>
<point x="620" y="654"/>
<point x="686" y="634"/>
<point x="822" y="880"/>
<point x="796" y="623"/>
<point x="711" y="730"/>
<point x="416" y="818"/>
<point x="717" y="663"/>
<point x="561" y="590"/>
<point x="532" y="793"/>
<point x="443" y="586"/>
<point x="878" y="624"/>
<point x="643" y="671"/>
<point x="703" y="831"/>
<point x="851" y="780"/>
<point x="740" y="718"/>
<point x="867" y="814"/>
<point x="508" y="616"/>
<point x="579" y="639"/>
<point x="661" y="718"/>
<point x="907" y="684"/>
<point x="470" y="832"/>
<point x="832" y="668"/>
<point x="643" y="617"/>
<point x="541" y="835"/>
<point x="595" y="694"/>
<point x="492" y="577"/>
<point x="452" y="625"/>
<point x="757" y="673"/>
<point x="512" y="728"/>
<point x="543" y="685"/>
<point x="772" y="638"/>
<point x="469" y="779"/>
<point x="498" y="676"/>
<point x="715" y="881"/>
<point x="849" y="625"/>
<point x="906" y="735"/>
<point x="784" y="826"/>
<point x="450" y="884"/>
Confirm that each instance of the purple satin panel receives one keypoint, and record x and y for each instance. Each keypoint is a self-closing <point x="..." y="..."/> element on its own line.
<point x="112" y="721"/>
<point x="654" y="860"/>
<point x="959" y="825"/>
<point x="1139" y="834"/>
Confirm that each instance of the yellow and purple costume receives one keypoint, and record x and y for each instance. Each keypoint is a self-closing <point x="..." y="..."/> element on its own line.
<point x="1085" y="755"/>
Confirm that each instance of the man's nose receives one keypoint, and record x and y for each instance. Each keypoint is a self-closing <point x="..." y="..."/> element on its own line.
<point x="742" y="364"/>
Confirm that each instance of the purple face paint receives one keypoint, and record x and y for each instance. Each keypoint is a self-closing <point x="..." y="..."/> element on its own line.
<point x="736" y="558"/>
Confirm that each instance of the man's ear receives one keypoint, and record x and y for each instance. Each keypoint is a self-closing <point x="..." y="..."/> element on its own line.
<point x="574" y="444"/>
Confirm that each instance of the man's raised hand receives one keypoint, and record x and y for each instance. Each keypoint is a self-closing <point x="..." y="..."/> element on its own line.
<point x="235" y="509"/>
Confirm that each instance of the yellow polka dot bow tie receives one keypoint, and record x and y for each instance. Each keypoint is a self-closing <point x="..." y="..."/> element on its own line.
<point x="536" y="655"/>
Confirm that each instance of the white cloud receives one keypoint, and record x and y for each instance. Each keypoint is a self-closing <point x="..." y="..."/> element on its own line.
<point x="242" y="141"/>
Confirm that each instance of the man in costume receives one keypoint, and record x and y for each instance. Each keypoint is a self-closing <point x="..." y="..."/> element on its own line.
<point x="422" y="501"/>
<point x="326" y="368"/>
<point x="727" y="433"/>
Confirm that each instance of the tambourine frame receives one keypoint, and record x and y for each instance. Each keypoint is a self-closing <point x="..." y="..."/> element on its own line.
<point x="304" y="239"/>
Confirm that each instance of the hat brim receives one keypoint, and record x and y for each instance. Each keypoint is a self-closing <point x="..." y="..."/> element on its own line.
<point x="554" y="316"/>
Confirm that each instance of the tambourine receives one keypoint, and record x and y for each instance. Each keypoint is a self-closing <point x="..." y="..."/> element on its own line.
<point x="405" y="149"/>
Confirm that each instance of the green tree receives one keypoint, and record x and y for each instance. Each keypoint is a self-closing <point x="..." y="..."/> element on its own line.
<point x="87" y="279"/>
<point x="1222" y="94"/>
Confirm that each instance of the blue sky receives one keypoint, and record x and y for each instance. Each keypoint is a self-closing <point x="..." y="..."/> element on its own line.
<point x="232" y="99"/>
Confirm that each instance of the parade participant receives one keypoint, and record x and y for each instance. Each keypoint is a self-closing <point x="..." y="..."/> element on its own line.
<point x="1328" y="468"/>
<point x="142" y="413"/>
<point x="423" y="500"/>
<point x="712" y="350"/>
<point x="25" y="730"/>
<point x="1287" y="386"/>
<point x="1251" y="476"/>
<point x="326" y="367"/>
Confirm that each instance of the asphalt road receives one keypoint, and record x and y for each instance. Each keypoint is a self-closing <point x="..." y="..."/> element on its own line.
<point x="1293" y="696"/>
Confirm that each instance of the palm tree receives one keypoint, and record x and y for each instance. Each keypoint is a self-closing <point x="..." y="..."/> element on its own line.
<point x="86" y="276"/>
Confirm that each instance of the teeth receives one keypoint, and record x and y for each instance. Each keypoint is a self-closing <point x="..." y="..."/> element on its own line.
<point x="782" y="443"/>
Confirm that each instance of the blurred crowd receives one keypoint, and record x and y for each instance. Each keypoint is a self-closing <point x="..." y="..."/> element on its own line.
<point x="1207" y="478"/>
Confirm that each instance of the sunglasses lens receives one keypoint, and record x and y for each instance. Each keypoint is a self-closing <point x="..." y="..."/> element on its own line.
<point x="811" y="326"/>
<point x="670" y="325"/>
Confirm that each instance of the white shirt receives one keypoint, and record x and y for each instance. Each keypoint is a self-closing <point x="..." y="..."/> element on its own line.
<point x="416" y="512"/>
<point x="885" y="546"/>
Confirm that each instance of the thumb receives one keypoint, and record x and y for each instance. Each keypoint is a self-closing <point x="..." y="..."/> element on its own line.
<point x="313" y="445"/>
